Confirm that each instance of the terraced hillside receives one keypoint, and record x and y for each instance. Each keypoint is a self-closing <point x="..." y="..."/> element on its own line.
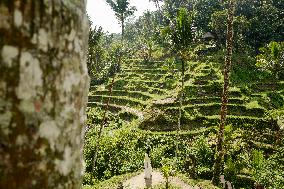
<point x="135" y="88"/>
<point x="149" y="93"/>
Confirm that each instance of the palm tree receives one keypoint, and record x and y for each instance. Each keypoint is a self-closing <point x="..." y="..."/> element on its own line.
<point x="157" y="5"/>
<point x="116" y="56"/>
<point x="180" y="34"/>
<point x="225" y="95"/>
<point x="122" y="10"/>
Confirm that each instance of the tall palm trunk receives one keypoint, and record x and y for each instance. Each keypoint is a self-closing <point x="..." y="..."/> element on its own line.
<point x="227" y="67"/>
<point x="104" y="122"/>
<point x="180" y="103"/>
<point x="122" y="27"/>
<point x="157" y="4"/>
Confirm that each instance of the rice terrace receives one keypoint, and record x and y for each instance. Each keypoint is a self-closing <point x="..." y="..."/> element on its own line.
<point x="133" y="94"/>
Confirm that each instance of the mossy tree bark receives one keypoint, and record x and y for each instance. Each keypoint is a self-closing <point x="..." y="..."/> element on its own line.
<point x="218" y="165"/>
<point x="43" y="93"/>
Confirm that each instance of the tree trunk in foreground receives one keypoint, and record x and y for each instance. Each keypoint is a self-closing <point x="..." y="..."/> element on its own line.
<point x="43" y="93"/>
<point x="218" y="166"/>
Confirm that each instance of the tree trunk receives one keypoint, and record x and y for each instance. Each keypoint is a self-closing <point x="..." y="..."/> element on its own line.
<point x="225" y="96"/>
<point x="157" y="4"/>
<point x="104" y="121"/>
<point x="181" y="94"/>
<point x="150" y="52"/>
<point x="43" y="93"/>
<point x="102" y="125"/>
<point x="122" y="28"/>
<point x="180" y="104"/>
<point x="167" y="183"/>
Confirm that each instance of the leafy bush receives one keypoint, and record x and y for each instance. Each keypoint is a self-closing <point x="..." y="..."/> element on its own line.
<point x="122" y="151"/>
<point x="202" y="157"/>
<point x="245" y="71"/>
<point x="159" y="120"/>
<point x="217" y="57"/>
<point x="215" y="86"/>
<point x="276" y="100"/>
<point x="258" y="166"/>
<point x="94" y="116"/>
<point x="167" y="170"/>
<point x="246" y="90"/>
<point x="127" y="116"/>
<point x="119" y="84"/>
<point x="231" y="169"/>
<point x="88" y="179"/>
<point x="118" y="154"/>
<point x="272" y="58"/>
<point x="269" y="173"/>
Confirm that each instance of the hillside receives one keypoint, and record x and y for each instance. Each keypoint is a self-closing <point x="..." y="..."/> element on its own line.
<point x="145" y="97"/>
<point x="128" y="94"/>
<point x="197" y="85"/>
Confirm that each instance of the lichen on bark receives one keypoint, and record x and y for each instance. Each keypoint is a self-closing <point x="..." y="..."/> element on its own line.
<point x="43" y="92"/>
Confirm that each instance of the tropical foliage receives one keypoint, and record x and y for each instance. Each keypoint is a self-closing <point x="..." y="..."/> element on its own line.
<point x="171" y="68"/>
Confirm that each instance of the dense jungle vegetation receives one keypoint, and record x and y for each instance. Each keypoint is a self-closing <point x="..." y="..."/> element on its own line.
<point x="199" y="84"/>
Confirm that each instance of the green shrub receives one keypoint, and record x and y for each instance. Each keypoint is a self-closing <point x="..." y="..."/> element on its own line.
<point x="271" y="58"/>
<point x="159" y="121"/>
<point x="244" y="70"/>
<point x="231" y="170"/>
<point x="268" y="172"/>
<point x="216" y="56"/>
<point x="88" y="179"/>
<point x="215" y="86"/>
<point x="156" y="153"/>
<point x="276" y="100"/>
<point x="118" y="84"/>
<point x="95" y="116"/>
<point x="118" y="154"/>
<point x="259" y="165"/>
<point x="122" y="151"/>
<point x="202" y="157"/>
<point x="246" y="90"/>
<point x="167" y="170"/>
<point x="127" y="116"/>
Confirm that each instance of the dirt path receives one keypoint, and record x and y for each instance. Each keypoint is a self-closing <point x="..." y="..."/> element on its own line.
<point x="164" y="101"/>
<point x="138" y="181"/>
<point x="139" y="114"/>
<point x="134" y="111"/>
<point x="178" y="182"/>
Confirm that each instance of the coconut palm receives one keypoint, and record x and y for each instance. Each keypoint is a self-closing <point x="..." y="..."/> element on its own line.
<point x="225" y="95"/>
<point x="122" y="10"/>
